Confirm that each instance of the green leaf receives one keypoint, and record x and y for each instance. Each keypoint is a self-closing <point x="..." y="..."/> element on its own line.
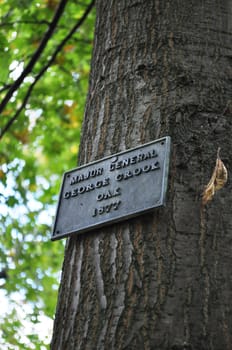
<point x="5" y="58"/>
<point x="40" y="145"/>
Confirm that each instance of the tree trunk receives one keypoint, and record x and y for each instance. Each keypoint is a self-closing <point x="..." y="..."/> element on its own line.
<point x="161" y="280"/>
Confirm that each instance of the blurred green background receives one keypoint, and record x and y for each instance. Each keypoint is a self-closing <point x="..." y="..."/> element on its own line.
<point x="40" y="129"/>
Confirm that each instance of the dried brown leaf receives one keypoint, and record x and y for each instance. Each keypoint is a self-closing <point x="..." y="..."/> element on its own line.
<point x="217" y="181"/>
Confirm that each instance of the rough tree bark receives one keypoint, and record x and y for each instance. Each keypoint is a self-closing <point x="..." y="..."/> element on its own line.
<point x="162" y="280"/>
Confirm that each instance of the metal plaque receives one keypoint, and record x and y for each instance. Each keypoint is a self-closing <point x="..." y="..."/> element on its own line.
<point x="113" y="189"/>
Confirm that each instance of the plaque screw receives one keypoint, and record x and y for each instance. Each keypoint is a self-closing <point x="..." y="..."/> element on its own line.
<point x="162" y="143"/>
<point x="68" y="175"/>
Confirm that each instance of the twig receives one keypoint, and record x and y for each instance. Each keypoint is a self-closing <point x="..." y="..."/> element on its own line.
<point x="43" y="70"/>
<point x="5" y="87"/>
<point x="5" y="24"/>
<point x="35" y="56"/>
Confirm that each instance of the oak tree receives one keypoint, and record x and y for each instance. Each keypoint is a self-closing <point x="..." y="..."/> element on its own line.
<point x="161" y="280"/>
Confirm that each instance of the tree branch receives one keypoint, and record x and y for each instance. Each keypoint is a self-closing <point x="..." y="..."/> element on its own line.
<point x="5" y="87"/>
<point x="5" y="24"/>
<point x="35" y="56"/>
<point x="43" y="70"/>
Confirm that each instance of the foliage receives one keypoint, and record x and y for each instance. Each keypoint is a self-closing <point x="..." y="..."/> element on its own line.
<point x="40" y="131"/>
